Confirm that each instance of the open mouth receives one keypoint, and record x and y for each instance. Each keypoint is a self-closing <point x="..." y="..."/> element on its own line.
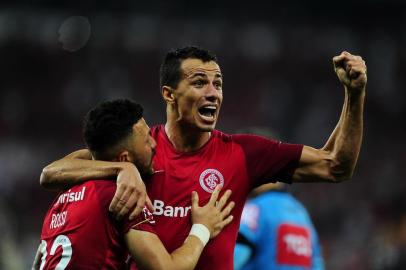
<point x="208" y="112"/>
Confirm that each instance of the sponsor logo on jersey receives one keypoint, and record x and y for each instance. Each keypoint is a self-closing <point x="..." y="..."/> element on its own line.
<point x="294" y="245"/>
<point x="69" y="196"/>
<point x="211" y="178"/>
<point x="170" y="211"/>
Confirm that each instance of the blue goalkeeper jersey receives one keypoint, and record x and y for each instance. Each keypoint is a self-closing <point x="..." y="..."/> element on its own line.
<point x="276" y="233"/>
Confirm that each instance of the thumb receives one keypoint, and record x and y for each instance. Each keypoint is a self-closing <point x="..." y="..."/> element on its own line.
<point x="353" y="74"/>
<point x="195" y="199"/>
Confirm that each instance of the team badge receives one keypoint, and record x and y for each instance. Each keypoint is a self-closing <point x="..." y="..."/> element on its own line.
<point x="148" y="215"/>
<point x="211" y="178"/>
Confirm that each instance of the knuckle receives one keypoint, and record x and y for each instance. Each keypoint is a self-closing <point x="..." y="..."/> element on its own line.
<point x="121" y="201"/>
<point x="123" y="184"/>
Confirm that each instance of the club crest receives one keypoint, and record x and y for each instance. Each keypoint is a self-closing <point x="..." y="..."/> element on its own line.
<point x="211" y="178"/>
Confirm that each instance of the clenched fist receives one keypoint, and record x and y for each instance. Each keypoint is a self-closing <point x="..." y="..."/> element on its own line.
<point x="351" y="71"/>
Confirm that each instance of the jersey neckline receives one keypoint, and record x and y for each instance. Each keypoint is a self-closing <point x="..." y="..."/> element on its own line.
<point x="162" y="131"/>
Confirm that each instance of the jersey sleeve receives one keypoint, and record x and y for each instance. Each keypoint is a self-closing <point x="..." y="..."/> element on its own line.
<point x="269" y="160"/>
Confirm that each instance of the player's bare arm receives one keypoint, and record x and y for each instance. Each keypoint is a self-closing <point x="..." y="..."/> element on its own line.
<point x="336" y="161"/>
<point x="149" y="252"/>
<point x="37" y="259"/>
<point x="78" y="167"/>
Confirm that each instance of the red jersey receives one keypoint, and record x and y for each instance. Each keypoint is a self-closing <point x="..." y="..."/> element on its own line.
<point x="237" y="162"/>
<point x="79" y="233"/>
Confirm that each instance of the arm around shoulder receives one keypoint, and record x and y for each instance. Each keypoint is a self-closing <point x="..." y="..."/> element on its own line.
<point x="76" y="168"/>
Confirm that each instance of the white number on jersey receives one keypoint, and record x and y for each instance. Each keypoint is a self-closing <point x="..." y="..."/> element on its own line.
<point x="61" y="240"/>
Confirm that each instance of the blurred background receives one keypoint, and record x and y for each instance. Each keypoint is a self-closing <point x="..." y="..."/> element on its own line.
<point x="60" y="58"/>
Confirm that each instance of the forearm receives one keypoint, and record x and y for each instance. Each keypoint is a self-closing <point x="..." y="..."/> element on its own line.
<point x="329" y="146"/>
<point x="150" y="254"/>
<point x="187" y="256"/>
<point x="77" y="167"/>
<point x="345" y="142"/>
<point x="37" y="260"/>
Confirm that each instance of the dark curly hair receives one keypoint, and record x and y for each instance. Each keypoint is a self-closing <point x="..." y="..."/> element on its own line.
<point x="170" y="73"/>
<point x="108" y="124"/>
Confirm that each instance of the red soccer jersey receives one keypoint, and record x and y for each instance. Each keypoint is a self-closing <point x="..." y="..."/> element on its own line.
<point x="79" y="233"/>
<point x="238" y="162"/>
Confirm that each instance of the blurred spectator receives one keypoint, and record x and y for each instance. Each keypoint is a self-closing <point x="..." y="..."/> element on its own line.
<point x="276" y="232"/>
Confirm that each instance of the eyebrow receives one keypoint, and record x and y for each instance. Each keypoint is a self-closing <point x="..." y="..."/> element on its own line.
<point x="197" y="74"/>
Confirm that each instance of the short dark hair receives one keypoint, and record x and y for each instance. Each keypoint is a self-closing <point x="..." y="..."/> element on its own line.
<point x="170" y="73"/>
<point x="108" y="124"/>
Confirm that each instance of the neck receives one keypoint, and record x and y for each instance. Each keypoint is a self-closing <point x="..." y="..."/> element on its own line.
<point x="185" y="138"/>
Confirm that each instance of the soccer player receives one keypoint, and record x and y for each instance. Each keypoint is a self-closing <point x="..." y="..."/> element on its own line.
<point x="192" y="155"/>
<point x="276" y="232"/>
<point x="78" y="231"/>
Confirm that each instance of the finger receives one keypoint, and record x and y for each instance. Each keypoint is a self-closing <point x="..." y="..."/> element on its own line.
<point x="121" y="208"/>
<point x="149" y="204"/>
<point x="345" y="56"/>
<point x="225" y="222"/>
<point x="355" y="62"/>
<point x="128" y="205"/>
<point x="345" y="53"/>
<point x="347" y="67"/>
<point x="353" y="73"/>
<point x="358" y="57"/>
<point x="195" y="200"/>
<point x="357" y="73"/>
<point x="117" y="196"/>
<point x="359" y="69"/>
<point x="223" y="200"/>
<point x="338" y="60"/>
<point x="214" y="195"/>
<point x="226" y="211"/>
<point x="139" y="206"/>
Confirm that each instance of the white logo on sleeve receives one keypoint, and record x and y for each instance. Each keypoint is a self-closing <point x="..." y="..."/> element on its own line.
<point x="211" y="178"/>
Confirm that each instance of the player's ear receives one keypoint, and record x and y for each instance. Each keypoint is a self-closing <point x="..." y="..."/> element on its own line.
<point x="124" y="157"/>
<point x="167" y="94"/>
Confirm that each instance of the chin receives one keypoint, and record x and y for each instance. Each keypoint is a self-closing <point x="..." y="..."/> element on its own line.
<point x="206" y="127"/>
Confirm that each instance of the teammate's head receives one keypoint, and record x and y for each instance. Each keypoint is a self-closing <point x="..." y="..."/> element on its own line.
<point x="191" y="85"/>
<point x="116" y="131"/>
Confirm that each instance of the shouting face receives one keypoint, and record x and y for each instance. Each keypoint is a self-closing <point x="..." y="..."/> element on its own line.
<point x="198" y="96"/>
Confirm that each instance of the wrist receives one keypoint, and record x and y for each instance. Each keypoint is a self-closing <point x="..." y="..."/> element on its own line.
<point x="355" y="91"/>
<point x="122" y="166"/>
<point x="201" y="232"/>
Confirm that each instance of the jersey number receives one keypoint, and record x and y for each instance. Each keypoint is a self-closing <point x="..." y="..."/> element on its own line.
<point x="61" y="240"/>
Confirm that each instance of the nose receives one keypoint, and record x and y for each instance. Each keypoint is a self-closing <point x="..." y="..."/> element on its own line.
<point x="213" y="93"/>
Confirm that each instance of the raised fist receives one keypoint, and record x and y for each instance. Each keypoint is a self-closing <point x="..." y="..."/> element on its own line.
<point x="351" y="71"/>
